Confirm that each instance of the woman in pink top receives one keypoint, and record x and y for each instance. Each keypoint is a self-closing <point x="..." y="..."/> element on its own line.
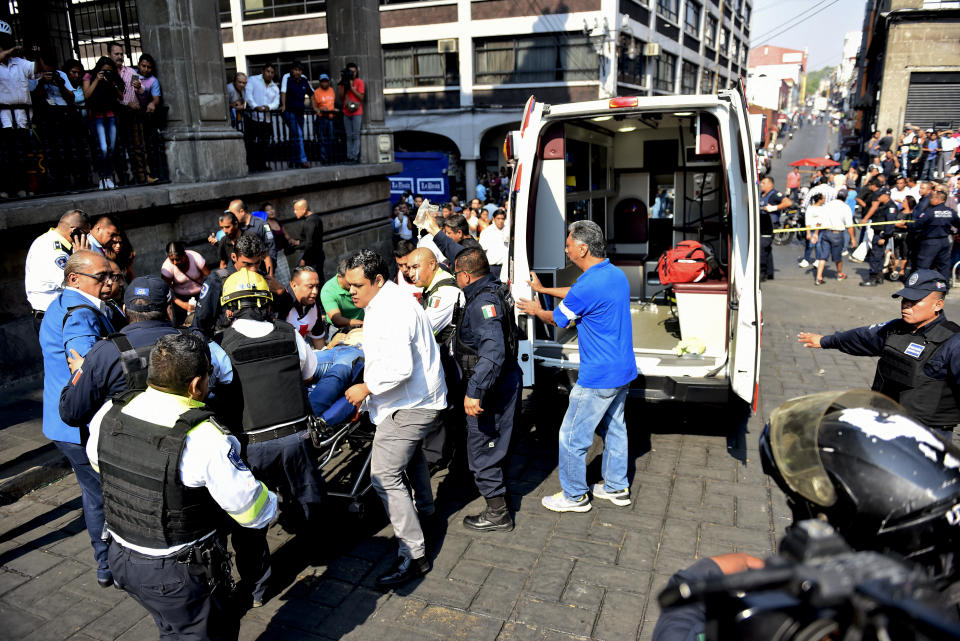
<point x="184" y="270"/>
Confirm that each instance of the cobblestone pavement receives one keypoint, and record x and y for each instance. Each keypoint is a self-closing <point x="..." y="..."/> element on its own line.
<point x="697" y="492"/>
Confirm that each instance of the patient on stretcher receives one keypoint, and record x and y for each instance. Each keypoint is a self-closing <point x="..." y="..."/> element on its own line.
<point x="339" y="365"/>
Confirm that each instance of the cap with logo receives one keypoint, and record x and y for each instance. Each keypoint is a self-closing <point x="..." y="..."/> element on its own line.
<point x="920" y="283"/>
<point x="323" y="76"/>
<point x="152" y="292"/>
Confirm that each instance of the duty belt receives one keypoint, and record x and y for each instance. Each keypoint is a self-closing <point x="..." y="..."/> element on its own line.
<point x="277" y="432"/>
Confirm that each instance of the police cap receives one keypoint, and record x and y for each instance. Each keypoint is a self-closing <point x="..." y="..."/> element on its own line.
<point x="921" y="282"/>
<point x="152" y="291"/>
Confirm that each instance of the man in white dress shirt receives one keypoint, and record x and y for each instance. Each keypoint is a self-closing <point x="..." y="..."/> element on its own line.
<point x="493" y="239"/>
<point x="404" y="392"/>
<point x="263" y="96"/>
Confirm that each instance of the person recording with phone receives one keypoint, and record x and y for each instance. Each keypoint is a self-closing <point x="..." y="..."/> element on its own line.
<point x="351" y="91"/>
<point x="48" y="254"/>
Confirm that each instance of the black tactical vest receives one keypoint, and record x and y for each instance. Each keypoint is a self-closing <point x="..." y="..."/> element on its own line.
<point x="267" y="387"/>
<point x="144" y="500"/>
<point x="445" y="335"/>
<point x="135" y="360"/>
<point x="467" y="355"/>
<point x="900" y="375"/>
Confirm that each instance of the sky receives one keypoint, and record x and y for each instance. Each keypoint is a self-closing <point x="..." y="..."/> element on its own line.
<point x="822" y="33"/>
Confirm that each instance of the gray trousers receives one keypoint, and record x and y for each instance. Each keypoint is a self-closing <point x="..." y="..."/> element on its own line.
<point x="396" y="448"/>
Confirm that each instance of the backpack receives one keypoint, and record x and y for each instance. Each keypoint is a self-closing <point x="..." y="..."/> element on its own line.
<point x="685" y="263"/>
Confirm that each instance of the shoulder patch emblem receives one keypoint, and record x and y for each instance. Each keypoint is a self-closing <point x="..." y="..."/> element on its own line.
<point x="234" y="457"/>
<point x="204" y="290"/>
<point x="61" y="261"/>
<point x="435" y="302"/>
<point x="489" y="311"/>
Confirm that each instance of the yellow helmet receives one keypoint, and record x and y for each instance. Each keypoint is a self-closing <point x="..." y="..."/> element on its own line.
<point x="246" y="284"/>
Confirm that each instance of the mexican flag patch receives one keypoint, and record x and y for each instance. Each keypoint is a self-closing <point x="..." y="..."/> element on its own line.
<point x="489" y="311"/>
<point x="435" y="302"/>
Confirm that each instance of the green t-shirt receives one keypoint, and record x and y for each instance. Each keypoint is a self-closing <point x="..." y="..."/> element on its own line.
<point x="332" y="296"/>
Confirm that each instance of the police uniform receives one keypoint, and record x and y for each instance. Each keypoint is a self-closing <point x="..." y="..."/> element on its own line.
<point x="441" y="299"/>
<point x="261" y="230"/>
<point x="885" y="212"/>
<point x="918" y="368"/>
<point x="932" y="228"/>
<point x="168" y="473"/>
<point x="767" y="222"/>
<point x="119" y="363"/>
<point x="266" y="407"/>
<point x="487" y="353"/>
<point x="208" y="317"/>
<point x="43" y="272"/>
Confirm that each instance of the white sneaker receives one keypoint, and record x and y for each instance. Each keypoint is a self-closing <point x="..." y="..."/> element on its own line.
<point x="803" y="264"/>
<point x="559" y="503"/>
<point x="619" y="497"/>
<point x="103" y="184"/>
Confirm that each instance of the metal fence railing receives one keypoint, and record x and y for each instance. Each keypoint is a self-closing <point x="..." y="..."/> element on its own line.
<point x="272" y="142"/>
<point x="48" y="150"/>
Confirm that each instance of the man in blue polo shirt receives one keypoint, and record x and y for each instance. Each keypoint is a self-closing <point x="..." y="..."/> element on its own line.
<point x="294" y="90"/>
<point x="598" y="305"/>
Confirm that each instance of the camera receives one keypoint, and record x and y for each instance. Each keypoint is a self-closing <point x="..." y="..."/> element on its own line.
<point x="816" y="588"/>
<point x="346" y="75"/>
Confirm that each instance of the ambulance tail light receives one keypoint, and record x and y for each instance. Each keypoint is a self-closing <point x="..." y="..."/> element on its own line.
<point x="624" y="102"/>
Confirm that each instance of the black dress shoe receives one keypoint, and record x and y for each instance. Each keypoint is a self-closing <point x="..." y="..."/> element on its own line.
<point x="105" y="582"/>
<point x="404" y="570"/>
<point x="872" y="282"/>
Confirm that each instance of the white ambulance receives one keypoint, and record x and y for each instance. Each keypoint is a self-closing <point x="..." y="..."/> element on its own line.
<point x="650" y="172"/>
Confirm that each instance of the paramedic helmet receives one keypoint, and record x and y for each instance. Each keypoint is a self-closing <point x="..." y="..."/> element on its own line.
<point x="245" y="288"/>
<point x="883" y="480"/>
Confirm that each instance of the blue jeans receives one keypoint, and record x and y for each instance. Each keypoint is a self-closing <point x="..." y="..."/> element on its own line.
<point x="92" y="500"/>
<point x="929" y="166"/>
<point x="809" y="250"/>
<point x="324" y="131"/>
<point x="106" y="130"/>
<point x="294" y="120"/>
<point x="335" y="372"/>
<point x="351" y="126"/>
<point x="593" y="410"/>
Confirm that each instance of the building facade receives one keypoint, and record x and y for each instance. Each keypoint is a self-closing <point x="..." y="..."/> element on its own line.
<point x="457" y="72"/>
<point x="908" y="67"/>
<point x="775" y="77"/>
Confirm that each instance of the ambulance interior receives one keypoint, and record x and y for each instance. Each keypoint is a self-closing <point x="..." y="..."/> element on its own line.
<point x="649" y="180"/>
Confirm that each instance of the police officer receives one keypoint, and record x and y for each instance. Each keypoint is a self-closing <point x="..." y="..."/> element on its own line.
<point x="486" y="348"/>
<point x="441" y="299"/>
<point x="883" y="209"/>
<point x="250" y="224"/>
<point x="932" y="228"/>
<point x="247" y="254"/>
<point x="169" y="471"/>
<point x="771" y="203"/>
<point x="266" y="407"/>
<point x="919" y="352"/>
<point x="119" y="363"/>
<point x="46" y="258"/>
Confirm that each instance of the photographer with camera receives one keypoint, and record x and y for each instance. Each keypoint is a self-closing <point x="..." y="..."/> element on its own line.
<point x="351" y="92"/>
<point x="887" y="485"/>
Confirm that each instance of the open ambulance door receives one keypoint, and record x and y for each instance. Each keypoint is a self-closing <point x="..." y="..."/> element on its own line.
<point x="745" y="315"/>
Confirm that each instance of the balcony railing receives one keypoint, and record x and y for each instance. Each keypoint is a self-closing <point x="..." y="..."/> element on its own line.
<point x="48" y="150"/>
<point x="272" y="142"/>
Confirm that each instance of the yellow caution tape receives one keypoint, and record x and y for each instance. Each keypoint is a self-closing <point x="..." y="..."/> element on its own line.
<point x="787" y="230"/>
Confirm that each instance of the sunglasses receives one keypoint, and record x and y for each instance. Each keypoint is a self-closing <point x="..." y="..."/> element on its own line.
<point x="101" y="277"/>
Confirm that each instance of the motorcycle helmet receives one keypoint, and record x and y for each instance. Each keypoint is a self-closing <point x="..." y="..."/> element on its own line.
<point x="882" y="480"/>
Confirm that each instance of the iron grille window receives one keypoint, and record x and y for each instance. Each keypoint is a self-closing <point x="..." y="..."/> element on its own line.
<point x="691" y="22"/>
<point x="664" y="72"/>
<point x="419" y="65"/>
<point x="706" y="81"/>
<point x="554" y="58"/>
<point x="710" y="32"/>
<point x="669" y="10"/>
<point x="688" y="78"/>
<point x="255" y="9"/>
<point x="314" y="64"/>
<point x="631" y="63"/>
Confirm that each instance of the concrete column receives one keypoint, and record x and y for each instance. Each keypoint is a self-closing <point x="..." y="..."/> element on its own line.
<point x="236" y="26"/>
<point x="465" y="53"/>
<point x="184" y="36"/>
<point x="470" y="177"/>
<point x="353" y="34"/>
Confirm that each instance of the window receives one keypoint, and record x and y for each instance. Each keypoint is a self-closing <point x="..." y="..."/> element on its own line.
<point x="724" y="41"/>
<point x="691" y="23"/>
<point x="688" y="78"/>
<point x="631" y="67"/>
<point x="743" y="55"/>
<point x="746" y="15"/>
<point x="734" y="50"/>
<point x="706" y="81"/>
<point x="225" y="11"/>
<point x="554" y="58"/>
<point x="255" y="9"/>
<point x="710" y="32"/>
<point x="664" y="72"/>
<point x="419" y="65"/>
<point x="314" y="64"/>
<point x="669" y="10"/>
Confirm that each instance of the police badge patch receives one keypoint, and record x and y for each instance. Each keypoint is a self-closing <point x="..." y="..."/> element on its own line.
<point x="234" y="457"/>
<point x="204" y="290"/>
<point x="61" y="261"/>
<point x="913" y="280"/>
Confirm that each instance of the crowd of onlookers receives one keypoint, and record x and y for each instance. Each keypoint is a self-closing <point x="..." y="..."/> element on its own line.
<point x="54" y="117"/>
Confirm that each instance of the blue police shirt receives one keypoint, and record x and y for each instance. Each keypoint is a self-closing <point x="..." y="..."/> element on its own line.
<point x="599" y="305"/>
<point x="482" y="329"/>
<point x="934" y="223"/>
<point x="80" y="332"/>
<point x="868" y="341"/>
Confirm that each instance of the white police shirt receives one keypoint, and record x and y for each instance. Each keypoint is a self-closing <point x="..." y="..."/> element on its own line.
<point x="43" y="273"/>
<point x="440" y="305"/>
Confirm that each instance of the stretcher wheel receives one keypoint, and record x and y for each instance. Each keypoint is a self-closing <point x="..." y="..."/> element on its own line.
<point x="357" y="508"/>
